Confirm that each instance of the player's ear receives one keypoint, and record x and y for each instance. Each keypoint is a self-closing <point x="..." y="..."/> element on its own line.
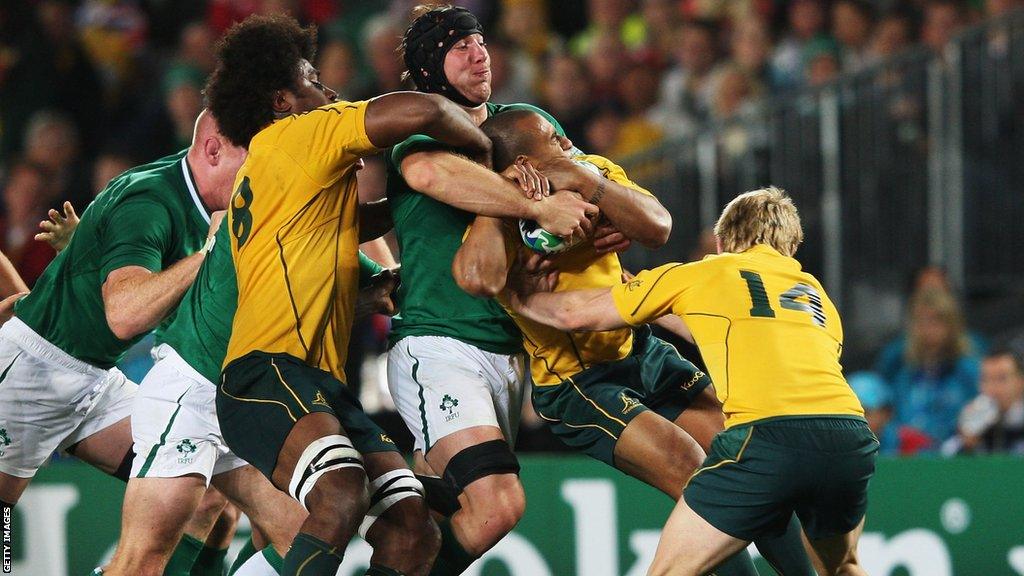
<point x="211" y="149"/>
<point x="282" y="102"/>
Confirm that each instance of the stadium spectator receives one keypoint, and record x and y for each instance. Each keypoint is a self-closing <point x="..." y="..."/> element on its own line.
<point x="805" y="22"/>
<point x="685" y="93"/>
<point x="108" y="165"/>
<point x="893" y="33"/>
<point x="609" y="17"/>
<point x="565" y="92"/>
<point x="942" y="20"/>
<point x="875" y="397"/>
<point x="26" y="198"/>
<point x="994" y="420"/>
<point x="52" y="142"/>
<point x="853" y="23"/>
<point x="751" y="48"/>
<point x="512" y="74"/>
<point x="524" y="24"/>
<point x="821" y="61"/>
<point x="380" y="36"/>
<point x="605" y="63"/>
<point x="661" y="17"/>
<point x="935" y="376"/>
<point x="338" y="69"/>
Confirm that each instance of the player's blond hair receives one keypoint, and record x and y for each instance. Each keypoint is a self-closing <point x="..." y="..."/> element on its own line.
<point x="765" y="216"/>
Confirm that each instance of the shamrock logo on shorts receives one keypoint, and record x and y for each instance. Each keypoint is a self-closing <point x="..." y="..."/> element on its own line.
<point x="448" y="403"/>
<point x="186" y="446"/>
<point x="4" y="438"/>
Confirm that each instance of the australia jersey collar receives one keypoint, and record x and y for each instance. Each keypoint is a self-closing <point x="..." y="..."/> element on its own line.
<point x="193" y="190"/>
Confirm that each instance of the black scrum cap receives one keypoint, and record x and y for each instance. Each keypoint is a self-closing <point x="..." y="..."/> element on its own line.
<point x="426" y="43"/>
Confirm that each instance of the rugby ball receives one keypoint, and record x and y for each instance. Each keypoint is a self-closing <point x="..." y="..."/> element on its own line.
<point x="540" y="240"/>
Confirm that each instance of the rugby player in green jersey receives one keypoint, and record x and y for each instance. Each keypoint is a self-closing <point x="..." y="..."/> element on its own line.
<point x="456" y="367"/>
<point x="136" y="250"/>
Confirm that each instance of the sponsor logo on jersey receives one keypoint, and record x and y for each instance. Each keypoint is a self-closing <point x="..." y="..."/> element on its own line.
<point x="696" y="378"/>
<point x="385" y="438"/>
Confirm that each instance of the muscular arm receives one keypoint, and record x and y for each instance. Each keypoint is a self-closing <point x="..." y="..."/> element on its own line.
<point x="573" y="311"/>
<point x="135" y="300"/>
<point x="466" y="185"/>
<point x="639" y="217"/>
<point x="481" y="265"/>
<point x="394" y="117"/>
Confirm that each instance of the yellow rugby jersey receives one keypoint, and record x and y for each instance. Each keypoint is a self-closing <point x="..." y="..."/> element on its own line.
<point x="557" y="355"/>
<point x="294" y="237"/>
<point x="769" y="334"/>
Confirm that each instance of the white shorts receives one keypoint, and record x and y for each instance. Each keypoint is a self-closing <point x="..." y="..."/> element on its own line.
<point x="50" y="400"/>
<point x="442" y="385"/>
<point x="174" y="423"/>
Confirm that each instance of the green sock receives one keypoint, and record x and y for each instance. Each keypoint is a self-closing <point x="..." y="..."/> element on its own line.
<point x="740" y="564"/>
<point x="786" y="553"/>
<point x="311" y="556"/>
<point x="452" y="559"/>
<point x="378" y="570"/>
<point x="210" y="562"/>
<point x="248" y="549"/>
<point x="183" y="557"/>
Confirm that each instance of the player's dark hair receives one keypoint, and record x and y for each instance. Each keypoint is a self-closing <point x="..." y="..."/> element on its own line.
<point x="507" y="140"/>
<point x="1013" y="353"/>
<point x="256" y="58"/>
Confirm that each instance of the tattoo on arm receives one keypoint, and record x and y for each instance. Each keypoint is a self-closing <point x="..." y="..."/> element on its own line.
<point x="596" y="198"/>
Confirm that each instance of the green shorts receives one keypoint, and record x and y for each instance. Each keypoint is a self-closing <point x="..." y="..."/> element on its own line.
<point x="590" y="410"/>
<point x="261" y="396"/>
<point x="757" y="475"/>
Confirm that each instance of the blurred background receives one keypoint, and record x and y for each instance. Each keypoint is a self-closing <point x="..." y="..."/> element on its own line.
<point x="896" y="125"/>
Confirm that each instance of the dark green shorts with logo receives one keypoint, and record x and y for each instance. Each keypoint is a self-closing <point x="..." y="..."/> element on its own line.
<point x="757" y="475"/>
<point x="261" y="396"/>
<point x="590" y="410"/>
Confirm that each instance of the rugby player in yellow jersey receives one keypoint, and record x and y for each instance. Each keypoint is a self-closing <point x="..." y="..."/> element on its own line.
<point x="622" y="396"/>
<point x="795" y="438"/>
<point x="282" y="402"/>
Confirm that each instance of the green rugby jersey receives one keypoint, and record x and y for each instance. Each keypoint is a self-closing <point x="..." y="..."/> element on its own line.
<point x="201" y="327"/>
<point x="429" y="234"/>
<point x="150" y="216"/>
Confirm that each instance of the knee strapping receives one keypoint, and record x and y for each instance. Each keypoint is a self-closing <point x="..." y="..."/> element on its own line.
<point x="320" y="457"/>
<point x="484" y="459"/>
<point x="386" y="491"/>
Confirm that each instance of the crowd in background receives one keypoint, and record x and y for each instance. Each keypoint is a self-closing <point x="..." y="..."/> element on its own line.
<point x="89" y="88"/>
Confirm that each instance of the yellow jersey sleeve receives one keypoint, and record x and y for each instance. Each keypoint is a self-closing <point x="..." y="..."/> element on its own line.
<point x="655" y="293"/>
<point x="325" y="140"/>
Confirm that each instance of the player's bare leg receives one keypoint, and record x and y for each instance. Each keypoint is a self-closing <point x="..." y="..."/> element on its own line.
<point x="107" y="448"/>
<point x="689" y="546"/>
<point x="276" y="518"/>
<point x="658" y="452"/>
<point x="210" y="560"/>
<point x="154" y="515"/>
<point x="491" y="506"/>
<point x="403" y="536"/>
<point x="336" y="500"/>
<point x="838" y="555"/>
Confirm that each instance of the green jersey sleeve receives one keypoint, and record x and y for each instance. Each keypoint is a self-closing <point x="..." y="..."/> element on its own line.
<point x="139" y="233"/>
<point x="414" y="143"/>
<point x="368" y="268"/>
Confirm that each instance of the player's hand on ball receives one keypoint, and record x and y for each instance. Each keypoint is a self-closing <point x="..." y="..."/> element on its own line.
<point x="564" y="173"/>
<point x="531" y="274"/>
<point x="57" y="231"/>
<point x="608" y="238"/>
<point x="564" y="214"/>
<point x="533" y="184"/>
